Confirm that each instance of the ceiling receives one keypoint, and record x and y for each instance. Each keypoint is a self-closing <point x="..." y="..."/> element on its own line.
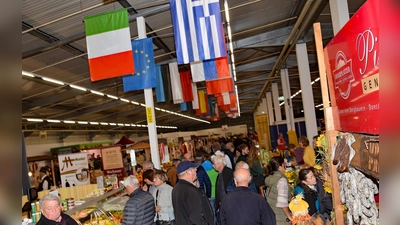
<point x="54" y="46"/>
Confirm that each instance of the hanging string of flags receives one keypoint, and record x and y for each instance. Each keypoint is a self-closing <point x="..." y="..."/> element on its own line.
<point x="199" y="40"/>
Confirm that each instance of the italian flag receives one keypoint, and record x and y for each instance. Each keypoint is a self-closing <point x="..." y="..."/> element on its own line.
<point x="108" y="41"/>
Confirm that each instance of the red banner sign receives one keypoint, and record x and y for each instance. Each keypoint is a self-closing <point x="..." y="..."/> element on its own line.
<point x="352" y="59"/>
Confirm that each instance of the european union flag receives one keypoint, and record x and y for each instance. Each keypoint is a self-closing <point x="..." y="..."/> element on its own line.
<point x="145" y="73"/>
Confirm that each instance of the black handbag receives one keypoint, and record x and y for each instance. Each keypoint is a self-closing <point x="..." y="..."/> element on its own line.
<point x="161" y="222"/>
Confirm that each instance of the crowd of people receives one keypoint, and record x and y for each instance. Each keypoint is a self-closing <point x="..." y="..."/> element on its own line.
<point x="224" y="188"/>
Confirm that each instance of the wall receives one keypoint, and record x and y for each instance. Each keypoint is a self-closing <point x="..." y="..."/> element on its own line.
<point x="37" y="146"/>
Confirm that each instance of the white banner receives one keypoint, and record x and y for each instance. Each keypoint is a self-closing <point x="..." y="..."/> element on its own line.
<point x="74" y="169"/>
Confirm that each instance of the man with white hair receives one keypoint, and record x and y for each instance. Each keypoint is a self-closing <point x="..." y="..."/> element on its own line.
<point x="244" y="207"/>
<point x="51" y="212"/>
<point x="148" y="165"/>
<point x="140" y="208"/>
<point x="225" y="175"/>
<point x="191" y="205"/>
<point x="217" y="151"/>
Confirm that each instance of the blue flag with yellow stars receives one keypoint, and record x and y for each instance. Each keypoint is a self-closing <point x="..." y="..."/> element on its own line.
<point x="145" y="73"/>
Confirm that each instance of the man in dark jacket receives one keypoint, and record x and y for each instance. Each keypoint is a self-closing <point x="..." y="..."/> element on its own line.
<point x="202" y="177"/>
<point x="51" y="212"/>
<point x="225" y="175"/>
<point x="45" y="182"/>
<point x="140" y="208"/>
<point x="191" y="205"/>
<point x="244" y="207"/>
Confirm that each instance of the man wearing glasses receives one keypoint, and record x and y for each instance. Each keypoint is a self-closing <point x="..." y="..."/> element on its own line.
<point x="191" y="205"/>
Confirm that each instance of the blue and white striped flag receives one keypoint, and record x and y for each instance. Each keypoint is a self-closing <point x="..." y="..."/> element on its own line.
<point x="198" y="30"/>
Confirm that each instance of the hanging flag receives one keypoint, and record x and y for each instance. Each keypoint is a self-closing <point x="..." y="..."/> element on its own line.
<point x="219" y="86"/>
<point x="223" y="98"/>
<point x="166" y="82"/>
<point x="210" y="69"/>
<point x="198" y="30"/>
<point x="203" y="103"/>
<point x="186" y="85"/>
<point x="195" y="102"/>
<point x="183" y="106"/>
<point x="160" y="95"/>
<point x="108" y="45"/>
<point x="145" y="75"/>
<point x="176" y="87"/>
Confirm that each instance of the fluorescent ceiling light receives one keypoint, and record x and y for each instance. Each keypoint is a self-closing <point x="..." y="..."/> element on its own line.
<point x="142" y="104"/>
<point x="94" y="123"/>
<point x="127" y="125"/>
<point x="69" y="121"/>
<point x="27" y="74"/>
<point x="82" y="122"/>
<point x="77" y="87"/>
<point x="104" y="123"/>
<point x="113" y="124"/>
<point x="124" y="100"/>
<point x="136" y="103"/>
<point x="120" y="124"/>
<point x="52" y="81"/>
<point x="34" y="120"/>
<point x="112" y="96"/>
<point x="97" y="93"/>
<point x="53" y="121"/>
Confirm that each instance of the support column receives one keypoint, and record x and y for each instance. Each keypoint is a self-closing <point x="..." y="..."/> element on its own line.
<point x="339" y="14"/>
<point x="263" y="106"/>
<point x="307" y="94"/>
<point x="275" y="97"/>
<point x="270" y="109"/>
<point x="151" y="117"/>
<point x="288" y="99"/>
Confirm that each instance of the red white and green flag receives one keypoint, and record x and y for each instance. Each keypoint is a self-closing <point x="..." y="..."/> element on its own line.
<point x="108" y="41"/>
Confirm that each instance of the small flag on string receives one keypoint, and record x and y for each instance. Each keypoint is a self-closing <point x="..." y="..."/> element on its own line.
<point x="176" y="87"/>
<point x="160" y="94"/>
<point x="186" y="85"/>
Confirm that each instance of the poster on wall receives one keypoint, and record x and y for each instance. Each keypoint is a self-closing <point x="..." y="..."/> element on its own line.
<point x="263" y="131"/>
<point x="74" y="169"/>
<point x="352" y="61"/>
<point x="113" y="163"/>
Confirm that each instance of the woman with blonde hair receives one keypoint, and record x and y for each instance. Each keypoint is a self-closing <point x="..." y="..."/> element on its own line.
<point x="163" y="199"/>
<point x="309" y="153"/>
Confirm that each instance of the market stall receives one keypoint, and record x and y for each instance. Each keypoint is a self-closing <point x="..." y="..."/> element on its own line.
<point x="351" y="106"/>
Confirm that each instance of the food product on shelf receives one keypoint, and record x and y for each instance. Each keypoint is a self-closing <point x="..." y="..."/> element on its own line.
<point x="357" y="194"/>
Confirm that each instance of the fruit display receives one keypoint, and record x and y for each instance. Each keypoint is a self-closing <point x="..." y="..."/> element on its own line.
<point x="98" y="216"/>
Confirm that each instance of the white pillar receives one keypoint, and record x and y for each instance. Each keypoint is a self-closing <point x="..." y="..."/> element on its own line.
<point x="288" y="99"/>
<point x="275" y="98"/>
<point x="151" y="117"/>
<point x="270" y="109"/>
<point x="263" y="106"/>
<point x="339" y="14"/>
<point x="307" y="94"/>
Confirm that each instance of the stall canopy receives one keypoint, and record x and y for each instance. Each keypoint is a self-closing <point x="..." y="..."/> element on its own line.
<point x="125" y="141"/>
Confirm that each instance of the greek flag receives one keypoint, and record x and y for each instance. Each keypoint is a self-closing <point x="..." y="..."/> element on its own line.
<point x="198" y="30"/>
